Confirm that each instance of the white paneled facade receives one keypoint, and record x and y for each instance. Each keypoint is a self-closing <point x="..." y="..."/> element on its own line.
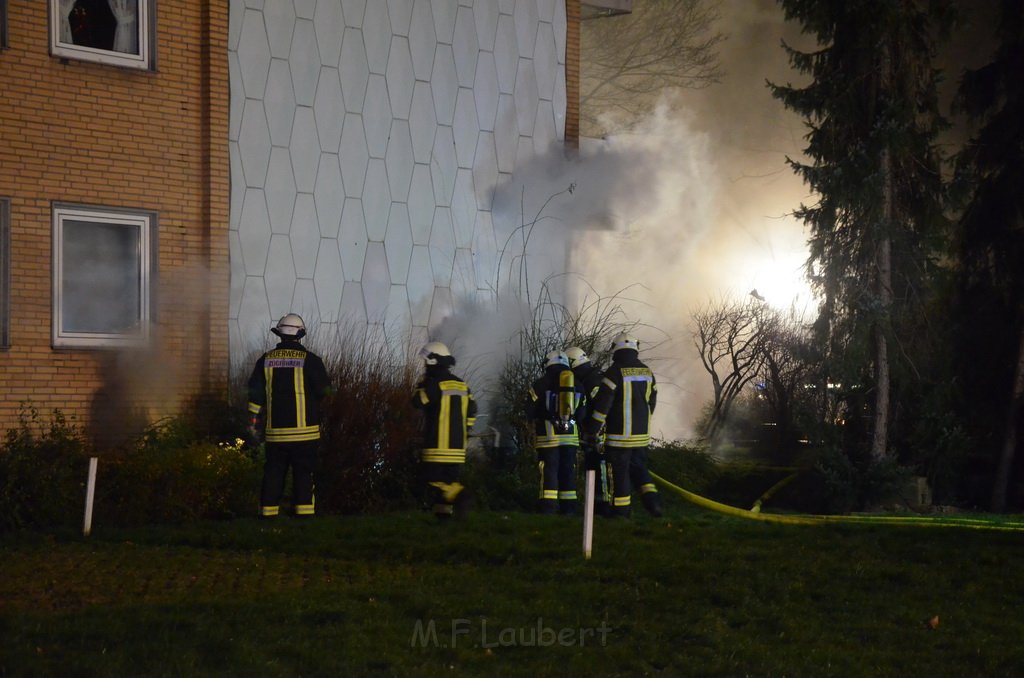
<point x="367" y="138"/>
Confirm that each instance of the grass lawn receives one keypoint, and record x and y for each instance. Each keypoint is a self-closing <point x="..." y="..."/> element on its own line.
<point x="690" y="594"/>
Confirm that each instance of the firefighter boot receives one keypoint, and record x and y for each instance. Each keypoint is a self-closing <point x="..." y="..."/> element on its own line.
<point x="462" y="502"/>
<point x="652" y="502"/>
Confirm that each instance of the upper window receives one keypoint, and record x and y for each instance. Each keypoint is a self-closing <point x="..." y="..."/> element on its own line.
<point x="3" y="24"/>
<point x="5" y="272"/>
<point x="110" y="31"/>
<point x="102" y="272"/>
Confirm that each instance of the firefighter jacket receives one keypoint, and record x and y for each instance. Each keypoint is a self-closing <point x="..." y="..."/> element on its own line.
<point x="286" y="388"/>
<point x="625" y="402"/>
<point x="449" y="411"/>
<point x="588" y="378"/>
<point x="555" y="405"/>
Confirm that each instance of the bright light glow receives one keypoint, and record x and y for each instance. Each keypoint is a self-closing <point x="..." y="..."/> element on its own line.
<point x="780" y="281"/>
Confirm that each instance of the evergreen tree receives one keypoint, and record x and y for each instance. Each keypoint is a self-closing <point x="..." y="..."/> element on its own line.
<point x="872" y="113"/>
<point x="990" y="169"/>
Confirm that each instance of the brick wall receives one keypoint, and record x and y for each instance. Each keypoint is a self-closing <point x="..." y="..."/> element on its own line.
<point x="572" y="74"/>
<point x="82" y="132"/>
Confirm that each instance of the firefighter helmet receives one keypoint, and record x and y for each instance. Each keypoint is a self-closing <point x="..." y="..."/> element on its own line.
<point x="290" y="327"/>
<point x="556" y="358"/>
<point x="576" y="356"/>
<point x="625" y="340"/>
<point x="435" y="352"/>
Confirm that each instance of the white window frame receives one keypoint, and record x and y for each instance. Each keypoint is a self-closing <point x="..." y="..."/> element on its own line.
<point x="144" y="25"/>
<point x="146" y="223"/>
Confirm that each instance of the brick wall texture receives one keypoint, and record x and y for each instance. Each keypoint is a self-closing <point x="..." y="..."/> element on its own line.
<point x="572" y="74"/>
<point x="81" y="132"/>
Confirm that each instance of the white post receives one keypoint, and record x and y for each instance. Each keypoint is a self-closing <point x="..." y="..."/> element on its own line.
<point x="90" y="492"/>
<point x="588" y="515"/>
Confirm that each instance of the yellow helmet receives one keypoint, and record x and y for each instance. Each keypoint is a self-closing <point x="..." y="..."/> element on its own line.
<point x="576" y="356"/>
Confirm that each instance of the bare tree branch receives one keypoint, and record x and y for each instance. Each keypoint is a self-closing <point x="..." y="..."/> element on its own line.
<point x="629" y="59"/>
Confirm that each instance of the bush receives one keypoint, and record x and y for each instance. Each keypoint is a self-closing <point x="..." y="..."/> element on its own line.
<point x="688" y="465"/>
<point x="369" y="454"/>
<point x="175" y="472"/>
<point x="503" y="478"/>
<point x="848" y="485"/>
<point x="169" y="477"/>
<point x="43" y="469"/>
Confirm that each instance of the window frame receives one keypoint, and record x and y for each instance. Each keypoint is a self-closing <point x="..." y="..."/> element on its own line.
<point x="3" y="25"/>
<point x="5" y="272"/>
<point x="144" y="60"/>
<point x="146" y="221"/>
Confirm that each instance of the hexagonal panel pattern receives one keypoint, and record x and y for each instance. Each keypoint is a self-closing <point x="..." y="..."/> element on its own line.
<point x="377" y="116"/>
<point x="329" y="195"/>
<point x="422" y="39"/>
<point x="352" y="238"/>
<point x="399" y="160"/>
<point x="304" y="61"/>
<point x="400" y="77"/>
<point x="377" y="36"/>
<point x="280" y="190"/>
<point x="327" y="109"/>
<point x="376" y="282"/>
<point x="465" y="47"/>
<point x="279" y="102"/>
<point x="279" y="18"/>
<point x="366" y="140"/>
<point x="280" y="276"/>
<point x="254" y="144"/>
<point x="305" y="236"/>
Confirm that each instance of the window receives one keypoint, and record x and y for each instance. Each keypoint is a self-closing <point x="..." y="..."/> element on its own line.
<point x="5" y="272"/>
<point x="3" y="24"/>
<point x="117" y="32"/>
<point x="102" y="276"/>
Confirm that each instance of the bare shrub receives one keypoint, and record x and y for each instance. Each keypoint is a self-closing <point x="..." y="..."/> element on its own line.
<point x="371" y="433"/>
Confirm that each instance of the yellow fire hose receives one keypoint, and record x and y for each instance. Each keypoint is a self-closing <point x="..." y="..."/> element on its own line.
<point x="916" y="521"/>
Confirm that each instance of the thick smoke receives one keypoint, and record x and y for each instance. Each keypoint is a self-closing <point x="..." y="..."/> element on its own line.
<point x="689" y="206"/>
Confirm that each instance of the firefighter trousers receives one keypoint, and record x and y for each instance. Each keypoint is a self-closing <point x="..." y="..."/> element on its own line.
<point x="641" y="480"/>
<point x="557" y="467"/>
<point x="618" y="461"/>
<point x="594" y="460"/>
<point x="301" y="458"/>
<point x="443" y="489"/>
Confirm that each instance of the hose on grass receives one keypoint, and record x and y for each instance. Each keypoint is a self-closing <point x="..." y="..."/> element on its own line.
<point x="807" y="519"/>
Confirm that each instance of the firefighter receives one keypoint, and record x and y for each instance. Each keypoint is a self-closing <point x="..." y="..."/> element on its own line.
<point x="555" y="403"/>
<point x="588" y="378"/>
<point x="449" y="412"/>
<point x="623" y="405"/>
<point x="286" y="389"/>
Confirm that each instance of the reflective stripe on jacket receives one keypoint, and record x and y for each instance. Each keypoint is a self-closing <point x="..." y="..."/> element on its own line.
<point x="286" y="388"/>
<point x="449" y="412"/>
<point x="625" y="402"/>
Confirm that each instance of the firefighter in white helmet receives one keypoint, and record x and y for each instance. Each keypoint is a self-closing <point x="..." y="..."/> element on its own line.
<point x="449" y="412"/>
<point x="623" y="405"/>
<point x="588" y="379"/>
<point x="555" y="404"/>
<point x="286" y="389"/>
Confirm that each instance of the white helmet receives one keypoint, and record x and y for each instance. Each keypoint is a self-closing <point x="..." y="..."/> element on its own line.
<point x="290" y="327"/>
<point x="625" y="340"/>
<point x="434" y="350"/>
<point x="576" y="356"/>
<point x="556" y="358"/>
